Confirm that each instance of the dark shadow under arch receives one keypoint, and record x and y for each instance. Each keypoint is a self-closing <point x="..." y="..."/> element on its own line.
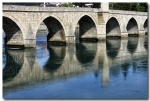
<point x="146" y="26"/>
<point x="87" y="29"/>
<point x="56" y="31"/>
<point x="14" y="36"/>
<point x="132" y="27"/>
<point x="113" y="27"/>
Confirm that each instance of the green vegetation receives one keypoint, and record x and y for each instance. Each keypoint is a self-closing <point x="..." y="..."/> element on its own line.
<point x="68" y="5"/>
<point x="142" y="7"/>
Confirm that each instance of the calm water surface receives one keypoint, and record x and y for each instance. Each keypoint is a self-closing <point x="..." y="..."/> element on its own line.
<point x="115" y="69"/>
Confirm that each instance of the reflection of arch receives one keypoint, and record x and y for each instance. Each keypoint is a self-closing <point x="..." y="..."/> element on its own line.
<point x="14" y="62"/>
<point x="125" y="68"/>
<point x="13" y="31"/>
<point x="56" y="57"/>
<point x="85" y="52"/>
<point x="132" y="27"/>
<point x="113" y="46"/>
<point x="132" y="44"/>
<point x="113" y="27"/>
<point x="146" y="42"/>
<point x="55" y="28"/>
<point x="87" y="28"/>
<point x="145" y="26"/>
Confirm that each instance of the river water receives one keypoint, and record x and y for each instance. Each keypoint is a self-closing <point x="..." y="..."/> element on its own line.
<point x="112" y="69"/>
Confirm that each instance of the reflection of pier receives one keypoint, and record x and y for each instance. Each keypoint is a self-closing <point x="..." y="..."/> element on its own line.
<point x="69" y="61"/>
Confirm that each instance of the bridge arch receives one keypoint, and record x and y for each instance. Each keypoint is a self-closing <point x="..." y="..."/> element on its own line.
<point x="55" y="27"/>
<point x="87" y="26"/>
<point x="16" y="21"/>
<point x="113" y="27"/>
<point x="145" y="25"/>
<point x="14" y="33"/>
<point x="132" y="26"/>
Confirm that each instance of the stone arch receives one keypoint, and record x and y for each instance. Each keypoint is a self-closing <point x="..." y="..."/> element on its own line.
<point x="16" y="21"/>
<point x="13" y="31"/>
<point x="145" y="25"/>
<point x="55" y="33"/>
<point x="113" y="27"/>
<point x="87" y="27"/>
<point x="132" y="27"/>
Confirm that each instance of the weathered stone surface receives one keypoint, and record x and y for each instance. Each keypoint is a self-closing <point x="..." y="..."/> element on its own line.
<point x="61" y="23"/>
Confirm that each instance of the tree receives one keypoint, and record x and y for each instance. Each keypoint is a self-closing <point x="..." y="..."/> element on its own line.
<point x="129" y="6"/>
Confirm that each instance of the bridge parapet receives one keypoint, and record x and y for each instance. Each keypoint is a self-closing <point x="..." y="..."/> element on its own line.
<point x="48" y="9"/>
<point x="128" y="12"/>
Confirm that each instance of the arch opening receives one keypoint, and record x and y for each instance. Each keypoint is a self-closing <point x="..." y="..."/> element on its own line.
<point x="132" y="27"/>
<point x="50" y="32"/>
<point x="113" y="28"/>
<point x="146" y="26"/>
<point x="13" y="34"/>
<point x="41" y="36"/>
<point x="86" y="30"/>
<point x="56" y="34"/>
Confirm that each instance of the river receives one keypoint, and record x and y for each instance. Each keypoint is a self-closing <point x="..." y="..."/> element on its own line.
<point x="111" y="69"/>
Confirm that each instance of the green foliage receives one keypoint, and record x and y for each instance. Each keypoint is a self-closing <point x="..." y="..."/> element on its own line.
<point x="68" y="5"/>
<point x="142" y="7"/>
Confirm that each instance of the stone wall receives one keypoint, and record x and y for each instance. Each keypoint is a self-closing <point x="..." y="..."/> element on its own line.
<point x="29" y="18"/>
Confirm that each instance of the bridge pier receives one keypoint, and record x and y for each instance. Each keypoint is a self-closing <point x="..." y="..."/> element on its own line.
<point x="70" y="39"/>
<point x="124" y="34"/>
<point x="142" y="32"/>
<point x="20" y="24"/>
<point x="101" y="32"/>
<point x="29" y="43"/>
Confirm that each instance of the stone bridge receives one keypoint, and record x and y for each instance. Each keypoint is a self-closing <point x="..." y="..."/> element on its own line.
<point x="20" y="23"/>
<point x="23" y="66"/>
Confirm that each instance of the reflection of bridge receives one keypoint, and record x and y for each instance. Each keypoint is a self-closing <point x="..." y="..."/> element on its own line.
<point x="68" y="61"/>
<point x="20" y="23"/>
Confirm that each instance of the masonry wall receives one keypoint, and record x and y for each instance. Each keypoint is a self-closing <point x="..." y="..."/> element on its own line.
<point x="29" y="18"/>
